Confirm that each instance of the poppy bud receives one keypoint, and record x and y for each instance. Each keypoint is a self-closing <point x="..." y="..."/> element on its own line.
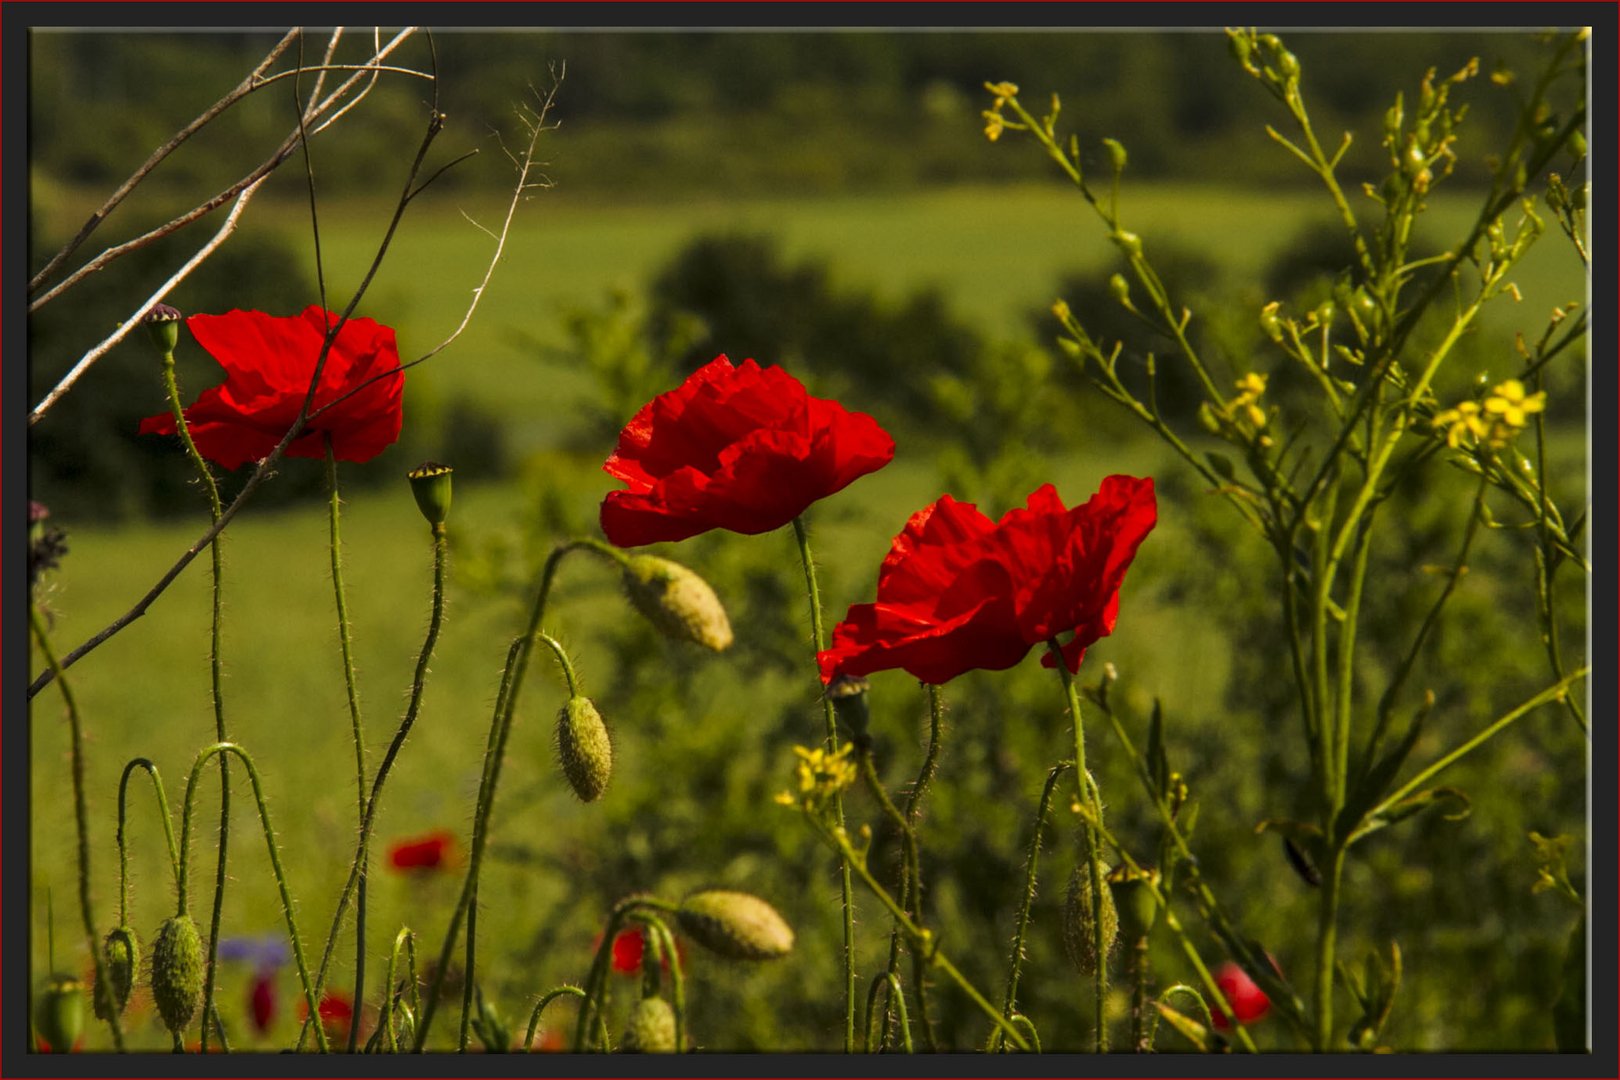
<point x="584" y="748"/>
<point x="122" y="958"/>
<point x="430" y="483"/>
<point x="1079" y="921"/>
<point x="848" y="696"/>
<point x="1134" y="900"/>
<point x="677" y="601"/>
<point x="734" y="925"/>
<point x="59" y="1012"/>
<point x="162" y="324"/>
<point x="651" y="1029"/>
<point x="177" y="971"/>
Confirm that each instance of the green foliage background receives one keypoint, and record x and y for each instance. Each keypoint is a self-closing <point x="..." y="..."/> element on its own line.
<point x="777" y="196"/>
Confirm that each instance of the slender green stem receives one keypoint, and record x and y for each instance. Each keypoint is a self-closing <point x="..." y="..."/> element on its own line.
<point x="1141" y="1040"/>
<point x="1088" y="795"/>
<point x="1031" y="862"/>
<point x="512" y="675"/>
<point x="897" y="999"/>
<point x="347" y="650"/>
<point x="367" y="822"/>
<point x="1327" y="931"/>
<point x="540" y="1008"/>
<point x="214" y="663"/>
<point x="81" y="820"/>
<point x="846" y="887"/>
<point x="596" y="981"/>
<point x="123" y="851"/>
<point x="220" y="749"/>
<point x="407" y="939"/>
<point x="909" y="873"/>
<point x="664" y="941"/>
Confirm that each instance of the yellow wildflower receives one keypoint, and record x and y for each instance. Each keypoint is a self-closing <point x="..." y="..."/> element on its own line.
<point x="1511" y="404"/>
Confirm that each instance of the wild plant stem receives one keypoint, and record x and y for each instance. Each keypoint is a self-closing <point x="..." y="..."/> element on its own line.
<point x="347" y="649"/>
<point x="81" y="821"/>
<point x="123" y="850"/>
<point x="217" y="690"/>
<point x="311" y="992"/>
<point x="1327" y="931"/>
<point x="1088" y="795"/>
<point x="418" y="684"/>
<point x="908" y="868"/>
<point x="819" y="641"/>
<point x="1031" y="861"/>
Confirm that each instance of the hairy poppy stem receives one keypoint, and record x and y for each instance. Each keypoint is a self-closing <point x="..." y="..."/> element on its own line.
<point x="123" y="852"/>
<point x="215" y="509"/>
<point x="1031" y="861"/>
<point x="1088" y="796"/>
<point x="819" y="642"/>
<point x="81" y="823"/>
<point x="346" y="647"/>
<point x="418" y="684"/>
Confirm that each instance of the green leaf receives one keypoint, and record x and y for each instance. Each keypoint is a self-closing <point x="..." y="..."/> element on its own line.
<point x="1382" y="774"/>
<point x="1222" y="465"/>
<point x="1158" y="764"/>
<point x="1188" y="1028"/>
<point x="1454" y="805"/>
<point x="1569" y="1011"/>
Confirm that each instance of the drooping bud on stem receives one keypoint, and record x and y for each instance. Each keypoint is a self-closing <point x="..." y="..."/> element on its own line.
<point x="734" y="925"/>
<point x="122" y="951"/>
<point x="430" y="483"/>
<point x="651" y="1029"/>
<point x="1080" y="917"/>
<point x="848" y="695"/>
<point x="677" y="601"/>
<point x="584" y="749"/>
<point x="177" y="971"/>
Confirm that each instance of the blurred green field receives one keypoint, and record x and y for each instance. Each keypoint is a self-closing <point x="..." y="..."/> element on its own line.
<point x="996" y="253"/>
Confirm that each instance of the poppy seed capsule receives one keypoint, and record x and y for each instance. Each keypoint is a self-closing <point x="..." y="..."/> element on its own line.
<point x="848" y="696"/>
<point x="734" y="925"/>
<point x="1134" y="900"/>
<point x="651" y="1029"/>
<point x="59" y="1012"/>
<point x="584" y="748"/>
<point x="677" y="601"/>
<point x="121" y="958"/>
<point x="177" y="971"/>
<point x="1079" y="923"/>
<point x="162" y="324"/>
<point x="430" y="483"/>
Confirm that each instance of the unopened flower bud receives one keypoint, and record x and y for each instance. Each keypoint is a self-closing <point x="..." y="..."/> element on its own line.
<point x="584" y="749"/>
<point x="651" y="1029"/>
<point x="848" y="696"/>
<point x="1270" y="323"/>
<point x="677" y="601"/>
<point x="430" y="483"/>
<point x="1325" y="312"/>
<point x="1288" y="64"/>
<point x="121" y="960"/>
<point x="1116" y="154"/>
<point x="1128" y="242"/>
<point x="59" y="1012"/>
<point x="1080" y="917"/>
<point x="734" y="925"/>
<point x="1120" y="289"/>
<point x="177" y="971"/>
<point x="162" y="324"/>
<point x="1134" y="900"/>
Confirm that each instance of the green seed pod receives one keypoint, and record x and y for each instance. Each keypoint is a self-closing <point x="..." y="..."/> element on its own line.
<point x="1116" y="154"/>
<point x="1128" y="242"/>
<point x="1120" y="289"/>
<point x="59" y="1012"/>
<point x="848" y="695"/>
<point x="1079" y="939"/>
<point x="121" y="960"/>
<point x="1134" y="901"/>
<point x="584" y="748"/>
<point x="677" y="601"/>
<point x="162" y="324"/>
<point x="430" y="483"/>
<point x="734" y="925"/>
<point x="651" y="1029"/>
<point x="177" y="971"/>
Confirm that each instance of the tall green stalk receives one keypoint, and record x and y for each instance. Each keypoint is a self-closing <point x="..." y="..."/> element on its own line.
<point x="819" y="641"/>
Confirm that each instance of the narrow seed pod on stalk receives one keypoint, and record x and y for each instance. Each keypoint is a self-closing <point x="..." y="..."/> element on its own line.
<point x="122" y="952"/>
<point x="651" y="1028"/>
<point x="1079" y="921"/>
<point x="177" y="971"/>
<point x="677" y="601"/>
<point x="734" y="925"/>
<point x="584" y="749"/>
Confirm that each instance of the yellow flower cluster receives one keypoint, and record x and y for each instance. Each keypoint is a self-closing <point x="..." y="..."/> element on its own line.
<point x="994" y="124"/>
<point x="1246" y="404"/>
<point x="1493" y="423"/>
<point x="821" y="776"/>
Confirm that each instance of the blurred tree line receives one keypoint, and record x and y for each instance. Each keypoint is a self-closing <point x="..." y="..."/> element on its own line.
<point x="656" y="113"/>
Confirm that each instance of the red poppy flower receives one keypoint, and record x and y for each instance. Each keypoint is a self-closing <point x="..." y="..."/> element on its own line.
<point x="262" y="1002"/>
<point x="739" y="448"/>
<point x="958" y="591"/>
<point x="435" y="851"/>
<point x="1249" y="1002"/>
<point x="336" y="1009"/>
<point x="629" y="946"/>
<point x="268" y="362"/>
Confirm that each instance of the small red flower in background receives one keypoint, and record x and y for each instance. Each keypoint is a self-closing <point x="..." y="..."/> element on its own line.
<point x="1249" y="1002"/>
<point x="629" y="946"/>
<point x="269" y="362"/>
<point x="336" y="1009"/>
<point x="740" y="448"/>
<point x="959" y="592"/>
<point x="262" y="1002"/>
<point x="434" y="851"/>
